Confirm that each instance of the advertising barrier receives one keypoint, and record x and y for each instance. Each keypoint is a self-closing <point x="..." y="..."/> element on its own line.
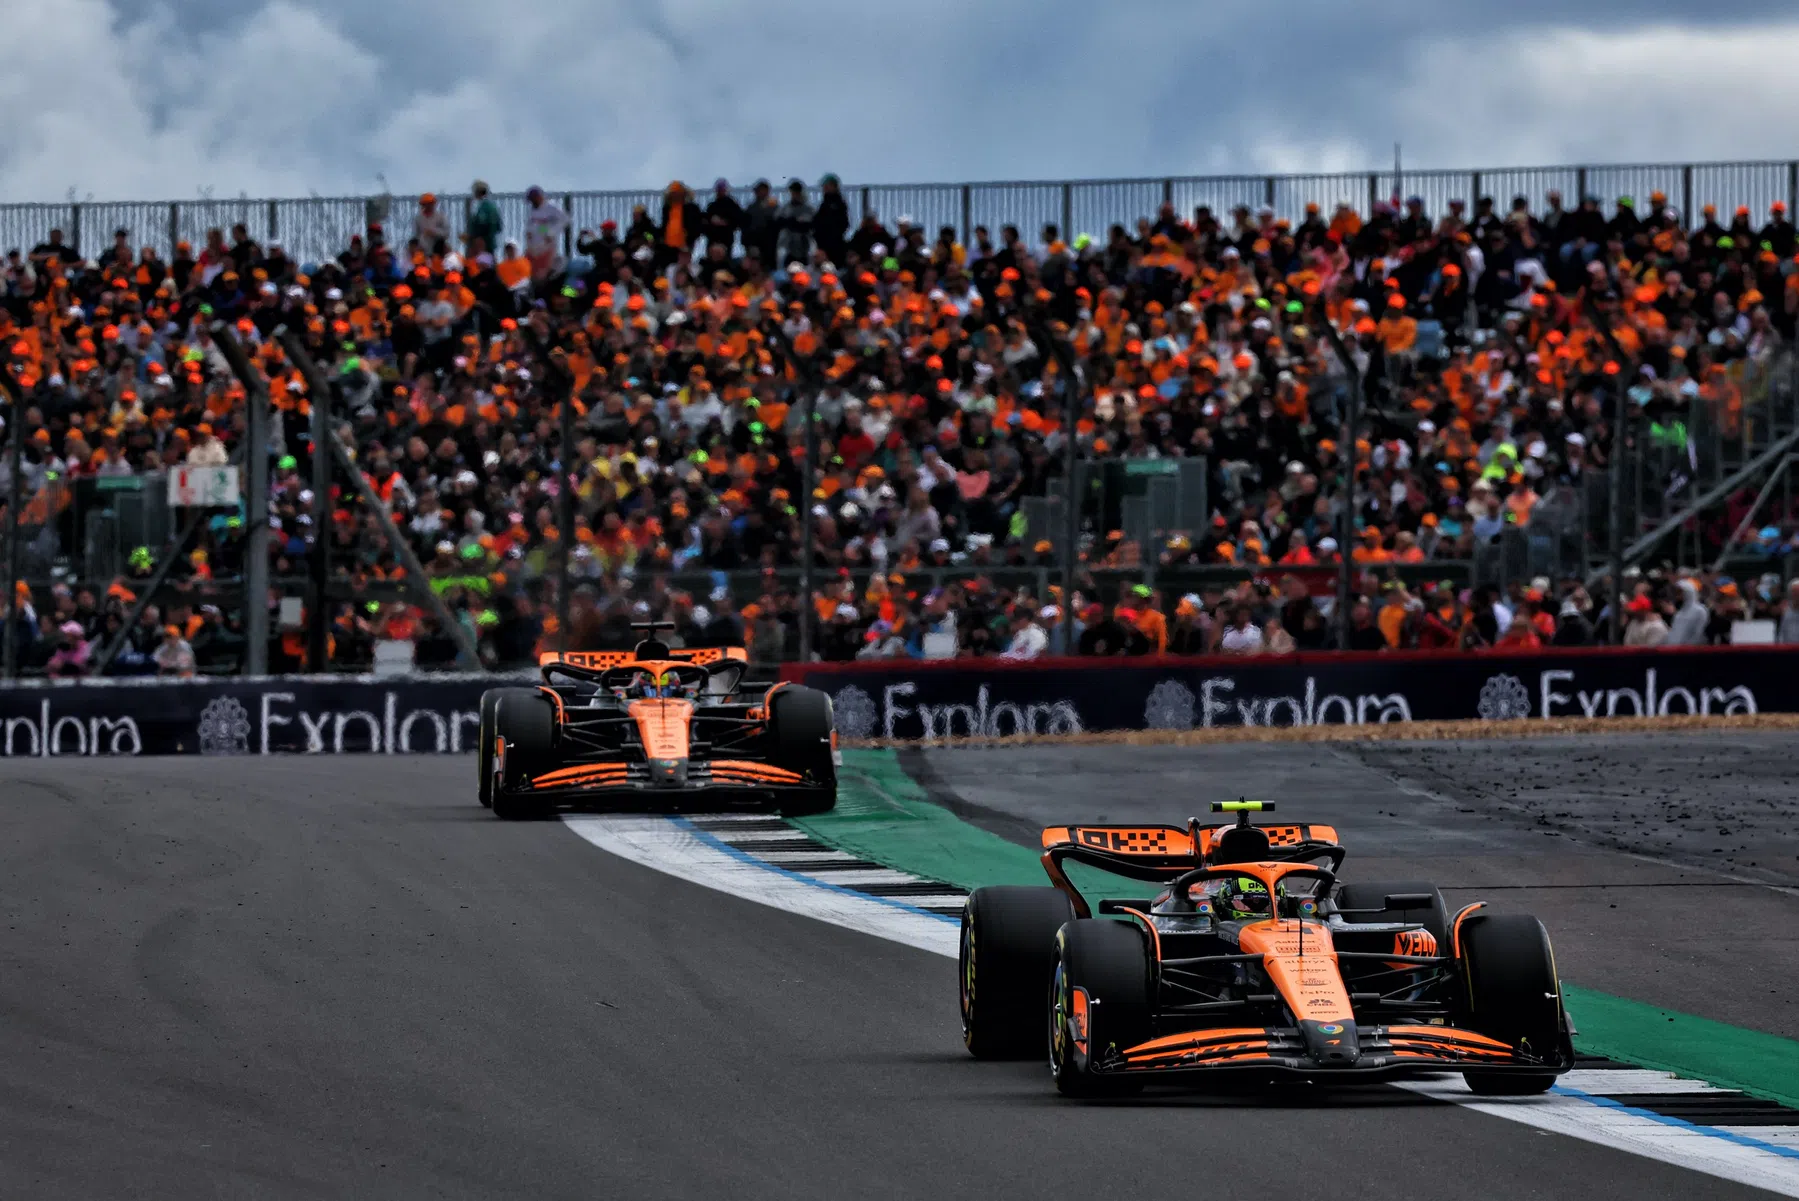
<point x="907" y="699"/>
<point x="996" y="697"/>
<point x="305" y="714"/>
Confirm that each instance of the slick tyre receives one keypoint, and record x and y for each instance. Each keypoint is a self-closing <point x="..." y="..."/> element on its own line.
<point x="1511" y="993"/>
<point x="1006" y="958"/>
<point x="527" y="723"/>
<point x="490" y="701"/>
<point x="1434" y="918"/>
<point x="799" y="728"/>
<point x="1100" y="1001"/>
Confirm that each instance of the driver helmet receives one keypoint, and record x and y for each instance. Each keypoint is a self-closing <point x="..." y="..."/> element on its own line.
<point x="656" y="683"/>
<point x="1243" y="898"/>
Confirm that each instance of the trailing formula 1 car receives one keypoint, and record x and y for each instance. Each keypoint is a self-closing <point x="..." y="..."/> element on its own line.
<point x="1253" y="958"/>
<point x="654" y="728"/>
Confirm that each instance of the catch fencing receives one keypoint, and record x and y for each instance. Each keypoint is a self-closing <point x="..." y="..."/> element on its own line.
<point x="316" y="228"/>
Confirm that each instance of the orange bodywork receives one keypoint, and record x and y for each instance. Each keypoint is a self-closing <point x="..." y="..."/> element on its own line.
<point x="587" y="773"/>
<point x="1302" y="964"/>
<point x="664" y="725"/>
<point x="734" y="770"/>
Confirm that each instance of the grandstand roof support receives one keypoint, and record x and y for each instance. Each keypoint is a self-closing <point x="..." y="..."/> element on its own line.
<point x="15" y="489"/>
<point x="256" y="501"/>
<point x="150" y="586"/>
<point x="415" y="571"/>
<point x="1776" y="452"/>
<point x="1761" y="498"/>
<point x="566" y="485"/>
<point x="1351" y="431"/>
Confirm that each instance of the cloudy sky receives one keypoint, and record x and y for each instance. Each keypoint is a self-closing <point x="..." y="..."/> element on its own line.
<point x="117" y="99"/>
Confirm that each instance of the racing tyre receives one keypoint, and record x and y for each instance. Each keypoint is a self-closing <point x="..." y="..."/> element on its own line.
<point x="526" y="720"/>
<point x="1100" y="1000"/>
<point x="799" y="725"/>
<point x="1006" y="958"/>
<point x="1435" y="918"/>
<point x="1512" y="994"/>
<point x="490" y="701"/>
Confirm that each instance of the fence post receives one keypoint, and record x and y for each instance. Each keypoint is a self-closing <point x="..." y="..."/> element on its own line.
<point x="1580" y="186"/>
<point x="1268" y="192"/>
<point x="1167" y="191"/>
<point x="568" y="231"/>
<point x="967" y="215"/>
<point x="1373" y="191"/>
<point x="1068" y="212"/>
<point x="1474" y="190"/>
<point x="1792" y="187"/>
<point x="174" y="227"/>
<point x="274" y="218"/>
<point x="75" y="226"/>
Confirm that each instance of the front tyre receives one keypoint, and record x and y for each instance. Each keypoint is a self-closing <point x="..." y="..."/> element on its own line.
<point x="490" y="701"/>
<point x="526" y="722"/>
<point x="1100" y="1002"/>
<point x="799" y="729"/>
<point x="1510" y="993"/>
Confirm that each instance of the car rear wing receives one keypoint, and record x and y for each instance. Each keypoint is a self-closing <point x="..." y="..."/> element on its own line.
<point x="601" y="660"/>
<point x="1158" y="854"/>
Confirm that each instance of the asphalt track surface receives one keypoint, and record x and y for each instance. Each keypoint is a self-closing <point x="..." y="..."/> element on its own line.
<point x="1666" y="867"/>
<point x="343" y="979"/>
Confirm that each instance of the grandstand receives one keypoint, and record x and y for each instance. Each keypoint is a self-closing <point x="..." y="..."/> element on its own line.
<point x="1532" y="383"/>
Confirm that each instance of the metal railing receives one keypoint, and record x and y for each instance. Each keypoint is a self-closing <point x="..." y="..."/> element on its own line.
<point x="316" y="228"/>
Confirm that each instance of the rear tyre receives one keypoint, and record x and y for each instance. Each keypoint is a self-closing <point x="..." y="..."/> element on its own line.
<point x="527" y="722"/>
<point x="1099" y="1002"/>
<point x="1434" y="918"/>
<point x="1006" y="958"/>
<point x="1511" y="994"/>
<point x="490" y="701"/>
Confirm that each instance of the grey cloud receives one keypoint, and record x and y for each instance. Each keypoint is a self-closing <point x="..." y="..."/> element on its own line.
<point x="133" y="98"/>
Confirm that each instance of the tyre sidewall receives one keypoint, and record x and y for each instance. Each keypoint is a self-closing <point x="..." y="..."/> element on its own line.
<point x="484" y="747"/>
<point x="1108" y="963"/>
<point x="1509" y="986"/>
<point x="1004" y="960"/>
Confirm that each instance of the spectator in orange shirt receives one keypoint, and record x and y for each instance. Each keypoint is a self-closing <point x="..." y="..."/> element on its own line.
<point x="1149" y="620"/>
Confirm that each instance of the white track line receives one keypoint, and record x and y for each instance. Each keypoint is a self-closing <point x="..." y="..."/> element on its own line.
<point x="1762" y="1157"/>
<point x="678" y="849"/>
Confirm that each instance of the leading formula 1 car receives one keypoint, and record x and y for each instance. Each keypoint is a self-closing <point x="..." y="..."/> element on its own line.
<point x="653" y="728"/>
<point x="1253" y="959"/>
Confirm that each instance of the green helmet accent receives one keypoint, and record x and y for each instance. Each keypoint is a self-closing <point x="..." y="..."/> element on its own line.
<point x="1245" y="897"/>
<point x="142" y="558"/>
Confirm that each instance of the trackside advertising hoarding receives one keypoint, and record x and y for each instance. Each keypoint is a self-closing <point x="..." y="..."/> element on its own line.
<point x="302" y="714"/>
<point x="910" y="699"/>
<point x="996" y="697"/>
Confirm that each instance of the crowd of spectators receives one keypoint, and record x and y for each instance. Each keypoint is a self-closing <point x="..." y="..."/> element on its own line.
<point x="1280" y="614"/>
<point x="1497" y="344"/>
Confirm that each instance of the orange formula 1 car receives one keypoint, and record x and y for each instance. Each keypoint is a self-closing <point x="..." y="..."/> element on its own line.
<point x="1253" y="959"/>
<point x="653" y="728"/>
